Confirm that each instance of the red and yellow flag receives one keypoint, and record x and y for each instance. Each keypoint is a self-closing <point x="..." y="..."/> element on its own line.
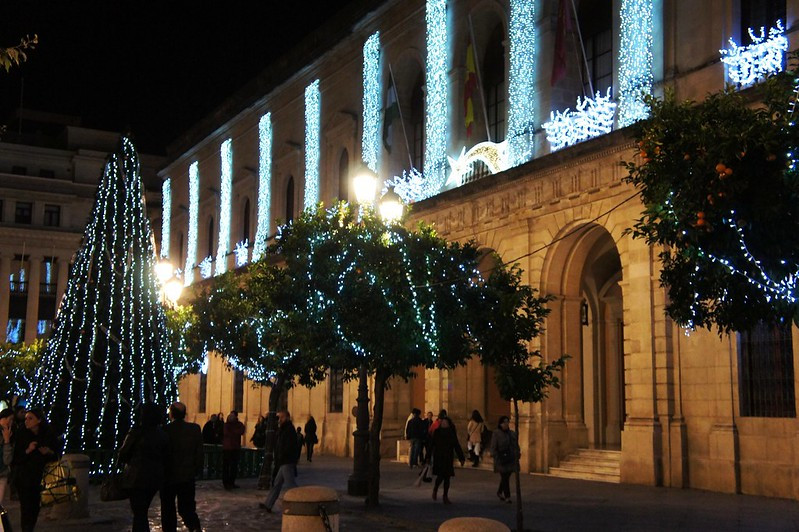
<point x="469" y="90"/>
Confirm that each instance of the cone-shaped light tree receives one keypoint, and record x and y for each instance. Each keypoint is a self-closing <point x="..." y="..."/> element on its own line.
<point x="110" y="350"/>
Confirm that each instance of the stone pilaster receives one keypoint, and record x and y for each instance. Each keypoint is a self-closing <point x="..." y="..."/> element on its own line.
<point x="32" y="312"/>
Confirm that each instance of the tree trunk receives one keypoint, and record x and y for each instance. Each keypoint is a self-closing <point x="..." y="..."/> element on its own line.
<point x="374" y="440"/>
<point x="519" y="516"/>
<point x="265" y="478"/>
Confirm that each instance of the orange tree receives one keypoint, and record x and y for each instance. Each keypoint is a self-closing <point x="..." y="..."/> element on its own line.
<point x="720" y="191"/>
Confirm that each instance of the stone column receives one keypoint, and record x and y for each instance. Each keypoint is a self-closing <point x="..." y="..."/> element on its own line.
<point x="5" y="293"/>
<point x="573" y="372"/>
<point x="34" y="278"/>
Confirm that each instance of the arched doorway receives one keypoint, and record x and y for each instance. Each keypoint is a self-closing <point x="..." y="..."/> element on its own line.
<point x="584" y="272"/>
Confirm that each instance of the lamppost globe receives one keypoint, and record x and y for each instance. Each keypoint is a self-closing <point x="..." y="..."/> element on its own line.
<point x="163" y="270"/>
<point x="172" y="290"/>
<point x="365" y="185"/>
<point x="391" y="207"/>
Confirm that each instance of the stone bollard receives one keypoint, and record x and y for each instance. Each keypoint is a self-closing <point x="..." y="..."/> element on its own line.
<point x="79" y="464"/>
<point x="301" y="509"/>
<point x="472" y="524"/>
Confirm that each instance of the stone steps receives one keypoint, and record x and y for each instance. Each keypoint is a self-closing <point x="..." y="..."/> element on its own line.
<point x="590" y="464"/>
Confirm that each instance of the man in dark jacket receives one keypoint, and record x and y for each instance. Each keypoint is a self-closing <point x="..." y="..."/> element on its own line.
<point x="416" y="432"/>
<point x="287" y="452"/>
<point x="183" y="462"/>
<point x="231" y="449"/>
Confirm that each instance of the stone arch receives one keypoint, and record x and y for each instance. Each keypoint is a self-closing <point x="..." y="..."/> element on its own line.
<point x="583" y="270"/>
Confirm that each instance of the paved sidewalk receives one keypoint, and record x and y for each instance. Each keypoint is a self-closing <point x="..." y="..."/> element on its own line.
<point x="550" y="504"/>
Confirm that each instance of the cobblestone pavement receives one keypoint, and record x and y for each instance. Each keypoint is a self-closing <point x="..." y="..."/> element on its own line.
<point x="549" y="504"/>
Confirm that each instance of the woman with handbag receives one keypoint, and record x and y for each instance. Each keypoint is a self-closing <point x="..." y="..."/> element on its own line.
<point x="474" y="432"/>
<point x="505" y="452"/>
<point x="34" y="447"/>
<point x="143" y="452"/>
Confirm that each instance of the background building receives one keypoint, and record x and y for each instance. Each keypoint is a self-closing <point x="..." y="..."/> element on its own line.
<point x="49" y="170"/>
<point x="702" y="411"/>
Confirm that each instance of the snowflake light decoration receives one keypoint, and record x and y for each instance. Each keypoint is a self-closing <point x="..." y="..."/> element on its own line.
<point x="206" y="267"/>
<point x="242" y="253"/>
<point x="746" y="65"/>
<point x="591" y="118"/>
<point x="412" y="186"/>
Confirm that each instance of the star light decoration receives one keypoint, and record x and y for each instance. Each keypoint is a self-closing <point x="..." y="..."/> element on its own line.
<point x="635" y="59"/>
<point x="591" y="118"/>
<point x="746" y="65"/>
<point x="494" y="155"/>
<point x="264" y="184"/>
<point x="241" y="252"/>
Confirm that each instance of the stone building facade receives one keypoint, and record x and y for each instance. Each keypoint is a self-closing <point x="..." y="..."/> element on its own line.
<point x="683" y="410"/>
<point x="50" y="167"/>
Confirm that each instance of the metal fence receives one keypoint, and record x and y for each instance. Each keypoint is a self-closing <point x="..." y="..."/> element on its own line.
<point x="250" y="460"/>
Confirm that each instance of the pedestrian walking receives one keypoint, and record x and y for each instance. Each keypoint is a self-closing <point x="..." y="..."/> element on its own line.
<point x="310" y="438"/>
<point x="428" y="438"/>
<point x="34" y="446"/>
<point x="287" y="452"/>
<point x="300" y="443"/>
<point x="184" y="461"/>
<point x="505" y="452"/>
<point x="209" y="431"/>
<point x="415" y="431"/>
<point x="144" y="452"/>
<point x="445" y="447"/>
<point x="6" y="448"/>
<point x="259" y="435"/>
<point x="474" y="432"/>
<point x="231" y="449"/>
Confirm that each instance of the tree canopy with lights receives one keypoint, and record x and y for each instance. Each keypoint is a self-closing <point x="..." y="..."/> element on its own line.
<point x="718" y="181"/>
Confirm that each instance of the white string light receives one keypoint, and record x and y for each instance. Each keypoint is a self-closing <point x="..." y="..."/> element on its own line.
<point x="241" y="252"/>
<point x="747" y="65"/>
<point x="521" y="81"/>
<point x="313" y="111"/>
<point x="166" y="215"/>
<point x="194" y="216"/>
<point x="635" y="59"/>
<point x="370" y="143"/>
<point x="225" y="200"/>
<point x="436" y="123"/>
<point x="591" y="118"/>
<point x="264" y="185"/>
<point x="206" y="267"/>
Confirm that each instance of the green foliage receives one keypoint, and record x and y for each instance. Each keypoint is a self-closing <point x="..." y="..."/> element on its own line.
<point x="704" y="166"/>
<point x="14" y="55"/>
<point x="181" y="326"/>
<point x="18" y="363"/>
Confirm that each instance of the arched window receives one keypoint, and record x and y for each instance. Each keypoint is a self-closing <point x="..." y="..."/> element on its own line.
<point x="596" y="25"/>
<point x="290" y="199"/>
<point x="494" y="84"/>
<point x="245" y="221"/>
<point x="210" y="237"/>
<point x="181" y="256"/>
<point x="344" y="176"/>
<point x="417" y="123"/>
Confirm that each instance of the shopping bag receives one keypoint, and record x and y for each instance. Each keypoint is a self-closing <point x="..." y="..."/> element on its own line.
<point x="58" y="484"/>
<point x="111" y="489"/>
<point x="5" y="521"/>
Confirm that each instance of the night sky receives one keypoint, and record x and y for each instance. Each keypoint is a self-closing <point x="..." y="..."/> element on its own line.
<point x="156" y="67"/>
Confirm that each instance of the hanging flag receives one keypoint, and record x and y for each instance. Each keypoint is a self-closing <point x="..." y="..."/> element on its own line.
<point x="469" y="90"/>
<point x="390" y="112"/>
<point x="564" y="26"/>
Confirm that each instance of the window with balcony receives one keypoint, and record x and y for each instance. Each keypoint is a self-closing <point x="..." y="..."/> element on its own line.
<point x="596" y="26"/>
<point x="290" y="199"/>
<point x="52" y="215"/>
<point x="417" y="123"/>
<point x="494" y="84"/>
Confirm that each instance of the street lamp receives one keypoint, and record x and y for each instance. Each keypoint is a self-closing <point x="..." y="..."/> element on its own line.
<point x="172" y="290"/>
<point x="170" y="286"/>
<point x="163" y="270"/>
<point x="365" y="185"/>
<point x="391" y="207"/>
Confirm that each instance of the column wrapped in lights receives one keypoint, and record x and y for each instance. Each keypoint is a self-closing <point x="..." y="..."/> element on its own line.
<point x="166" y="215"/>
<point x="264" y="185"/>
<point x="436" y="124"/>
<point x="635" y="59"/>
<point x="521" y="81"/>
<point x="194" y="216"/>
<point x="370" y="144"/>
<point x="225" y="199"/>
<point x="110" y="350"/>
<point x="313" y="117"/>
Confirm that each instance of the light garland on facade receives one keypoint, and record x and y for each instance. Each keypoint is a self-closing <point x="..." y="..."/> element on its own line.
<point x="635" y="59"/>
<point x="436" y="124"/>
<point x="241" y="252"/>
<point x="166" y="215"/>
<point x="110" y="350"/>
<point x="494" y="155"/>
<point x="264" y="185"/>
<point x="194" y="216"/>
<point x="313" y="117"/>
<point x="747" y="65"/>
<point x="591" y="118"/>
<point x="521" y="81"/>
<point x="370" y="143"/>
<point x="412" y="186"/>
<point x="225" y="200"/>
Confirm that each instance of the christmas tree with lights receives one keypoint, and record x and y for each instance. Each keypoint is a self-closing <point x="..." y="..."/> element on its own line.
<point x="110" y="349"/>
